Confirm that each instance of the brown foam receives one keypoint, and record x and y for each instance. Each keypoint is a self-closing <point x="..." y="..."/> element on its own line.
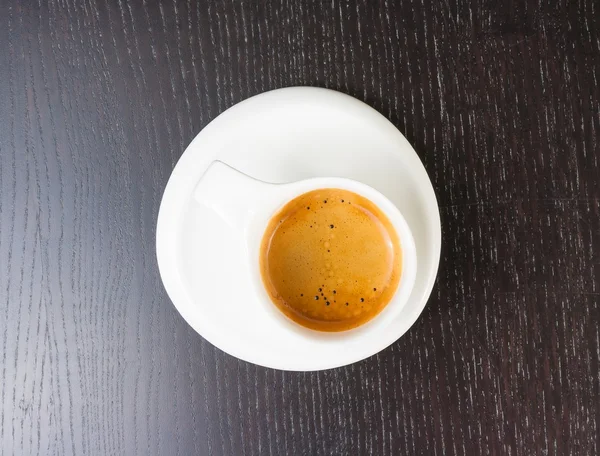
<point x="330" y="246"/>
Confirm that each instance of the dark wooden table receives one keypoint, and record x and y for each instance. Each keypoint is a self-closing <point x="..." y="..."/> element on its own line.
<point x="501" y="100"/>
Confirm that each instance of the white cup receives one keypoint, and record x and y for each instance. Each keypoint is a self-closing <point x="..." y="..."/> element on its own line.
<point x="247" y="205"/>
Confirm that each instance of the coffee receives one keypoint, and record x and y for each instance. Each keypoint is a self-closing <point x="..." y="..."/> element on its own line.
<point x="330" y="260"/>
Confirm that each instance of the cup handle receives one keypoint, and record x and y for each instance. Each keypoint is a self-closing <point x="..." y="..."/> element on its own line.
<point x="231" y="194"/>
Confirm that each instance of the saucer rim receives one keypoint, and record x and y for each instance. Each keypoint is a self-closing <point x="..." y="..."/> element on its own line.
<point x="165" y="225"/>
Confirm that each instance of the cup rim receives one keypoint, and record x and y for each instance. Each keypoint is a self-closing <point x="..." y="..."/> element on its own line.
<point x="255" y="232"/>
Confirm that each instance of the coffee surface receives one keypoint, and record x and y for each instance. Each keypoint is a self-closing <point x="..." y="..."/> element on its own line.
<point x="330" y="260"/>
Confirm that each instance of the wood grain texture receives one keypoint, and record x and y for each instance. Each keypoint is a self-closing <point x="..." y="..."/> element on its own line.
<point x="99" y="98"/>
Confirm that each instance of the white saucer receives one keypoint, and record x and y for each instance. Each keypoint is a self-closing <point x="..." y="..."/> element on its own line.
<point x="283" y="136"/>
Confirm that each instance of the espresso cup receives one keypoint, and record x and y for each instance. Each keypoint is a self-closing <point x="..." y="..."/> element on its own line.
<point x="247" y="205"/>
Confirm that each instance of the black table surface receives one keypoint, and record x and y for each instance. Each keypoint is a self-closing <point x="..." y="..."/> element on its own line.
<point x="99" y="99"/>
